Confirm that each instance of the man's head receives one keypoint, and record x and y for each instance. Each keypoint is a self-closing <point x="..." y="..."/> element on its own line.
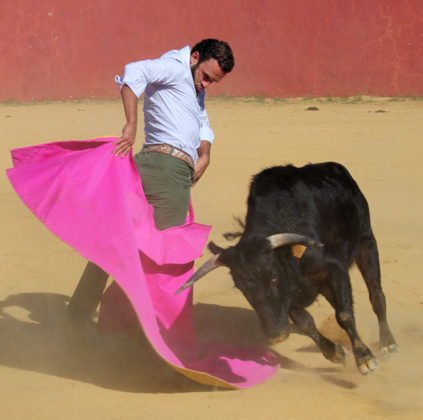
<point x="210" y="61"/>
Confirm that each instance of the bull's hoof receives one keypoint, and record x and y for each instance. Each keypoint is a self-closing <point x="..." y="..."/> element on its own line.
<point x="335" y="353"/>
<point x="391" y="348"/>
<point x="367" y="364"/>
<point x="340" y="354"/>
<point x="279" y="339"/>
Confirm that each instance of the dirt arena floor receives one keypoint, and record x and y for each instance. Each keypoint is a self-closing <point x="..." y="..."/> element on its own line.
<point x="43" y="376"/>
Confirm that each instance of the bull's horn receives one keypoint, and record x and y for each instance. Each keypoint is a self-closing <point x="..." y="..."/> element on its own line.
<point x="281" y="239"/>
<point x="208" y="266"/>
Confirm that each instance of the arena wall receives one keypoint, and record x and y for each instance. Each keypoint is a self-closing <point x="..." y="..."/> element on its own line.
<point x="60" y="49"/>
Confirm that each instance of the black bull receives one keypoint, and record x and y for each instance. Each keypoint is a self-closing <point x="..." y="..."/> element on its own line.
<point x="305" y="227"/>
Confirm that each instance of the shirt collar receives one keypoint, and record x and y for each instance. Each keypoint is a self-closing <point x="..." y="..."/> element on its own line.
<point x="186" y="57"/>
<point x="186" y="54"/>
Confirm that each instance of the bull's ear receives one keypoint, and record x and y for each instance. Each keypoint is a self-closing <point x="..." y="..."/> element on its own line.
<point x="214" y="248"/>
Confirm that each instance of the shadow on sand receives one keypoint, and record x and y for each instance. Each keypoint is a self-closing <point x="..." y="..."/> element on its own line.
<point x="32" y="338"/>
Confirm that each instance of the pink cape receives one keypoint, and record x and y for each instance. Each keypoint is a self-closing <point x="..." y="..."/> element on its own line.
<point x="94" y="202"/>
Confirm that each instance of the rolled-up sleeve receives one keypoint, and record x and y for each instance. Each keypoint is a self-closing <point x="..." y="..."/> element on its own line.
<point x="134" y="77"/>
<point x="206" y="133"/>
<point x="139" y="73"/>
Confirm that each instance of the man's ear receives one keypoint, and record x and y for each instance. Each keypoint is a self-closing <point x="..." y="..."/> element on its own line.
<point x="195" y="57"/>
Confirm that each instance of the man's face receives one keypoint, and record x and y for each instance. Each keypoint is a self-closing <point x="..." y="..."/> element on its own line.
<point x="205" y="73"/>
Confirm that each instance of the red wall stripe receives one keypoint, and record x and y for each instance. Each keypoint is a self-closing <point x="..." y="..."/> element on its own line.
<point x="57" y="49"/>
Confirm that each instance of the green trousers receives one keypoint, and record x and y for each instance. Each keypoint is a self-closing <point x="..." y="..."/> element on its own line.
<point x="167" y="186"/>
<point x="166" y="181"/>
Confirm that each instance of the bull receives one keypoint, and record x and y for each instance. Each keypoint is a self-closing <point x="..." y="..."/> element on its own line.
<point x="304" y="229"/>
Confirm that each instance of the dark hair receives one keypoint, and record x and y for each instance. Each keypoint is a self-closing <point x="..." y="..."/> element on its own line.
<point x="219" y="50"/>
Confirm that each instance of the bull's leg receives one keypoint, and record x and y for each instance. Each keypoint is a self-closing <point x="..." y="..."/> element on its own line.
<point x="340" y="285"/>
<point x="368" y="264"/>
<point x="305" y="323"/>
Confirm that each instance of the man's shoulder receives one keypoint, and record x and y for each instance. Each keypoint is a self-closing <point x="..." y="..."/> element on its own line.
<point x="181" y="55"/>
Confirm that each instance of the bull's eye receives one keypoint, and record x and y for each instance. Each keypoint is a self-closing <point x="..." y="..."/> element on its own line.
<point x="273" y="288"/>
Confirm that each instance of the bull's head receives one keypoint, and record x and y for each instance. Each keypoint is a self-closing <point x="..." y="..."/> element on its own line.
<point x="260" y="276"/>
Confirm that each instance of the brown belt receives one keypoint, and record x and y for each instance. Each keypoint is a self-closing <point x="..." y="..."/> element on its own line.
<point x="167" y="149"/>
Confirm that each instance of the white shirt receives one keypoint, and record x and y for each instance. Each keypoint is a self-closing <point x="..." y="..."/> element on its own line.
<point x="173" y="111"/>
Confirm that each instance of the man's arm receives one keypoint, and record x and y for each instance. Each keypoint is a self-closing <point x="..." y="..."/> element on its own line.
<point x="202" y="161"/>
<point x="137" y="76"/>
<point x="130" y="105"/>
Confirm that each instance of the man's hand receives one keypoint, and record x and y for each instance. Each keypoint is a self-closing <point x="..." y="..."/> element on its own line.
<point x="126" y="141"/>
<point x="200" y="168"/>
<point x="202" y="161"/>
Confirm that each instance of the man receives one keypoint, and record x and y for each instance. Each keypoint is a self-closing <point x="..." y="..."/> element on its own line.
<point x="177" y="145"/>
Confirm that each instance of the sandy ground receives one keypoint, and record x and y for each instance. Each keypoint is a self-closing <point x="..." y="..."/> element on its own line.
<point x="45" y="377"/>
